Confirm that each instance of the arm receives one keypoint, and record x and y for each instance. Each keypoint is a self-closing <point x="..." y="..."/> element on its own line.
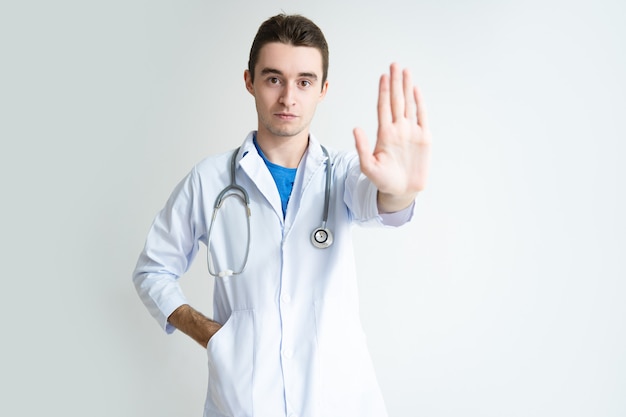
<point x="194" y="324"/>
<point x="170" y="247"/>
<point x="398" y="166"/>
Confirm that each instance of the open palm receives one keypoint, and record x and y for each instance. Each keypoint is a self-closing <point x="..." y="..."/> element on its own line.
<point x="398" y="166"/>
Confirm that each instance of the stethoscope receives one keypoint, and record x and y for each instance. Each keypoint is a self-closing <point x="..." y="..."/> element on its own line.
<point x="320" y="238"/>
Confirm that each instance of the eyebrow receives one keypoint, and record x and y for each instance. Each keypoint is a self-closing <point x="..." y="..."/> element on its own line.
<point x="266" y="71"/>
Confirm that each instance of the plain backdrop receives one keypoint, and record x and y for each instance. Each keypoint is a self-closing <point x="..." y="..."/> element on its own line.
<point x="504" y="298"/>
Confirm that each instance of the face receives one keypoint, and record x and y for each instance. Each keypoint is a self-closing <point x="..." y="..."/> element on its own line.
<point x="287" y="88"/>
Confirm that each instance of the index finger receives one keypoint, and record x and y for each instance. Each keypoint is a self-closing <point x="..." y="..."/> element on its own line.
<point x="384" y="109"/>
<point x="422" y="119"/>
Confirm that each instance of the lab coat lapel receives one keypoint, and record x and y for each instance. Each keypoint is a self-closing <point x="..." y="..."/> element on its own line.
<point x="255" y="168"/>
<point x="312" y="163"/>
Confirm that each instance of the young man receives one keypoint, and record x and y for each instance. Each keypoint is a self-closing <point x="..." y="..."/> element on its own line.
<point x="285" y="338"/>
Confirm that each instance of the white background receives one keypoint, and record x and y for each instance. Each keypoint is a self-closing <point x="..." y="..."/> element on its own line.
<point x="506" y="295"/>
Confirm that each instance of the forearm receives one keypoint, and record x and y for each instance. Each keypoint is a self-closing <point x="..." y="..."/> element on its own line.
<point x="194" y="324"/>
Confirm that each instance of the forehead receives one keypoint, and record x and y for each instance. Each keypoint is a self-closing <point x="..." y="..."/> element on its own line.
<point x="289" y="59"/>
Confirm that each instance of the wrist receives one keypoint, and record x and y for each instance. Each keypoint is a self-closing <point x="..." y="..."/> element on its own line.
<point x="391" y="203"/>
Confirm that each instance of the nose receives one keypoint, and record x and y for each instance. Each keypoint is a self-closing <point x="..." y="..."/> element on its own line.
<point x="287" y="95"/>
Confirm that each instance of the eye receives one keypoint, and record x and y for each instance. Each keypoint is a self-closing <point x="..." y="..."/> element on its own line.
<point x="273" y="80"/>
<point x="305" y="83"/>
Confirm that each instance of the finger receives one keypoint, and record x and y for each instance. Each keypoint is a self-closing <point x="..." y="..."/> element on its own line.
<point x="422" y="118"/>
<point x="409" y="96"/>
<point x="397" y="93"/>
<point x="363" y="149"/>
<point x="384" y="109"/>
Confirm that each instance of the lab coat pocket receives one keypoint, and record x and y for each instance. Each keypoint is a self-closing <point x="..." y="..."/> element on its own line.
<point x="347" y="380"/>
<point x="231" y="367"/>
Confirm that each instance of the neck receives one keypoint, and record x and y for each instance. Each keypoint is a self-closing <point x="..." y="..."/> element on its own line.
<point x="285" y="151"/>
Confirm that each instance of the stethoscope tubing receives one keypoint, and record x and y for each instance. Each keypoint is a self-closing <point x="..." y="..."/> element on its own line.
<point x="321" y="236"/>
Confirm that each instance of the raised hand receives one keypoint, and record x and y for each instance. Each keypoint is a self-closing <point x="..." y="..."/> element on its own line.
<point x="398" y="166"/>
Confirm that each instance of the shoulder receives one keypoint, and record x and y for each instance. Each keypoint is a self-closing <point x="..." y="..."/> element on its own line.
<point x="343" y="160"/>
<point x="338" y="157"/>
<point x="213" y="163"/>
<point x="342" y="156"/>
<point x="210" y="172"/>
<point x="220" y="164"/>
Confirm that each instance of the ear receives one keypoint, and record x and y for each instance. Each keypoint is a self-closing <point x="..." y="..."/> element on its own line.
<point x="323" y="92"/>
<point x="248" y="80"/>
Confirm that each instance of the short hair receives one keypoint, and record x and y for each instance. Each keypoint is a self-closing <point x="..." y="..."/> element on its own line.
<point x="293" y="30"/>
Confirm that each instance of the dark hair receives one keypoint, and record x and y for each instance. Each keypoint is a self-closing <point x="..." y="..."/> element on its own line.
<point x="293" y="30"/>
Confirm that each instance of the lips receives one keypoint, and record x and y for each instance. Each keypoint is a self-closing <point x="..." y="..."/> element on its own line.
<point x="285" y="116"/>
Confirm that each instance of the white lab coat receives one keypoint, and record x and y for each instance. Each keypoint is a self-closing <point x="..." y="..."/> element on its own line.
<point x="291" y="342"/>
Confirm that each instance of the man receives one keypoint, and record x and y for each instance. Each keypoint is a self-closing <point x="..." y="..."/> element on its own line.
<point x="285" y="338"/>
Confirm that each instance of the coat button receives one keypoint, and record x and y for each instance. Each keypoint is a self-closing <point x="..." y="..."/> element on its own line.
<point x="287" y="353"/>
<point x="285" y="298"/>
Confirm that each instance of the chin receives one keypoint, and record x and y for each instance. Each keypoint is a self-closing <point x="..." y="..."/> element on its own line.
<point x="286" y="133"/>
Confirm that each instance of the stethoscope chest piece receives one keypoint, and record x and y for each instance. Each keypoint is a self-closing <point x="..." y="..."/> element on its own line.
<point x="322" y="238"/>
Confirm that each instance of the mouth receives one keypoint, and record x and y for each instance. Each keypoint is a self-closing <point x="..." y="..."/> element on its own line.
<point x="285" y="116"/>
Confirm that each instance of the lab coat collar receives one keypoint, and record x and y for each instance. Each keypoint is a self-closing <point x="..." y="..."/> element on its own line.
<point x="249" y="160"/>
<point x="313" y="156"/>
<point x="314" y="149"/>
<point x="252" y="164"/>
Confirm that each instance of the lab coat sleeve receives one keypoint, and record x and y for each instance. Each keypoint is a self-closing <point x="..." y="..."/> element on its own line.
<point x="361" y="198"/>
<point x="171" y="245"/>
